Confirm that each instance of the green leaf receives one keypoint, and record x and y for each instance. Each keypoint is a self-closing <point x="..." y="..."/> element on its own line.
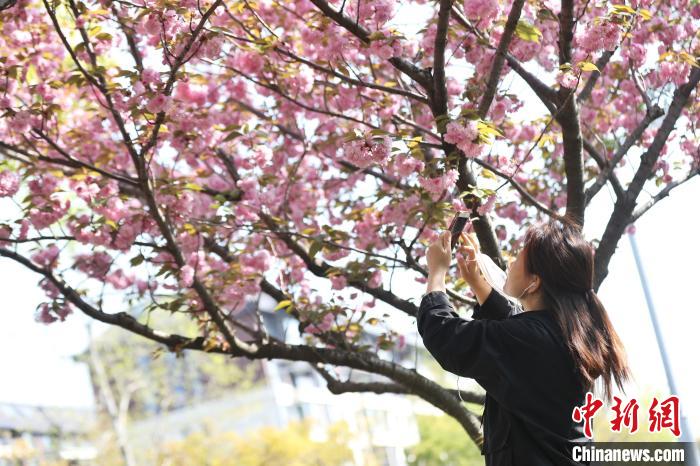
<point x="379" y="132"/>
<point x="689" y="59"/>
<point x="165" y="269"/>
<point x="588" y="66"/>
<point x="414" y="142"/>
<point x="377" y="35"/>
<point x="623" y="9"/>
<point x="210" y="344"/>
<point x="528" y="32"/>
<point x="190" y="229"/>
<point x="282" y="304"/>
<point x="137" y="260"/>
<point x="342" y="70"/>
<point x="31" y="76"/>
<point x="543" y="14"/>
<point x="232" y="135"/>
<point x="193" y="187"/>
<point x="487" y="130"/>
<point x="470" y="114"/>
<point x="645" y="14"/>
<point x="441" y="122"/>
<point x="486" y="173"/>
<point x="315" y="247"/>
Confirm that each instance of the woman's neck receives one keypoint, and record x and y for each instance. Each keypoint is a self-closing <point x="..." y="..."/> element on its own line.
<point x="533" y="303"/>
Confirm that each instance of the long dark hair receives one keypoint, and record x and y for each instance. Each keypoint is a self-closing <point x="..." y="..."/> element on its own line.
<point x="559" y="254"/>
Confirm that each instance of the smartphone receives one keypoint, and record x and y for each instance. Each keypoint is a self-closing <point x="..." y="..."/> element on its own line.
<point x="459" y="221"/>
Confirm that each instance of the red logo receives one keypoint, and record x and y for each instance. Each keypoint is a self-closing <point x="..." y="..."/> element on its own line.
<point x="665" y="417"/>
<point x="586" y="413"/>
<point x="662" y="414"/>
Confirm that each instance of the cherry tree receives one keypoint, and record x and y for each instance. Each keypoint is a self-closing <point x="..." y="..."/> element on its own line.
<point x="190" y="155"/>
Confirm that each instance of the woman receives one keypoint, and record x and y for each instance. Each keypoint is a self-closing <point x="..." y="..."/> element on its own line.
<point x="535" y="365"/>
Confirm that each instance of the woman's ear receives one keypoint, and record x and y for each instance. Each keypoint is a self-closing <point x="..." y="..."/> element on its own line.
<point x="537" y="281"/>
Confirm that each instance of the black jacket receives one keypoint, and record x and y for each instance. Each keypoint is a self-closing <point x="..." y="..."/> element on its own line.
<point x="522" y="362"/>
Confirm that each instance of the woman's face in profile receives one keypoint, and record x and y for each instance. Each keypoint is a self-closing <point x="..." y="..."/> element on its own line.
<point x="516" y="279"/>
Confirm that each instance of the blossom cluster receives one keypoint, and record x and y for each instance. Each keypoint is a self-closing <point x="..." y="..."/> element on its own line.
<point x="436" y="185"/>
<point x="465" y="137"/>
<point x="366" y="151"/>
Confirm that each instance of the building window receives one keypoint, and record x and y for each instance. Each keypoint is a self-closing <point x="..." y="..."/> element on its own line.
<point x="303" y="380"/>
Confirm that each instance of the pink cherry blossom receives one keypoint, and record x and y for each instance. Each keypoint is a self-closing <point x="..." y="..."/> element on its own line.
<point x="338" y="282"/>
<point x="119" y="279"/>
<point x="482" y="11"/>
<point x="383" y="10"/>
<point x="438" y="184"/>
<point x="366" y="151"/>
<point x="9" y="183"/>
<point x="401" y="343"/>
<point x="487" y="206"/>
<point x="260" y="260"/>
<point x="248" y="62"/>
<point x="158" y="103"/>
<point x="325" y="325"/>
<point x="44" y="315"/>
<point x="253" y="124"/>
<point x="191" y="94"/>
<point x="375" y="280"/>
<point x="567" y="79"/>
<point x="187" y="276"/>
<point x="46" y="257"/>
<point x="94" y="265"/>
<point x="48" y="313"/>
<point x="150" y="76"/>
<point x="464" y="136"/>
<point x="407" y="165"/>
<point x="604" y="35"/>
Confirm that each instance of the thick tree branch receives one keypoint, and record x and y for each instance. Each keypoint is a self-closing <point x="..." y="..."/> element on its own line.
<point x="622" y="212"/>
<point x="600" y="63"/>
<point x="425" y="388"/>
<point x="439" y="91"/>
<point x="641" y="210"/>
<point x="357" y="82"/>
<point x="14" y="152"/>
<point x="337" y="387"/>
<point x="98" y="81"/>
<point x="566" y="30"/>
<point x="546" y="94"/>
<point x="606" y="174"/>
<point x="420" y="76"/>
<point x="568" y="119"/>
<point x="320" y="269"/>
<point x="180" y="60"/>
<point x="120" y="319"/>
<point x="527" y="197"/>
<point x="603" y="165"/>
<point x="499" y="58"/>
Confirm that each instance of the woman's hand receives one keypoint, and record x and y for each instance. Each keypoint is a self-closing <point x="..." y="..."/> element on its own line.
<point x="439" y="254"/>
<point x="469" y="268"/>
<point x="439" y="257"/>
<point x="466" y="260"/>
